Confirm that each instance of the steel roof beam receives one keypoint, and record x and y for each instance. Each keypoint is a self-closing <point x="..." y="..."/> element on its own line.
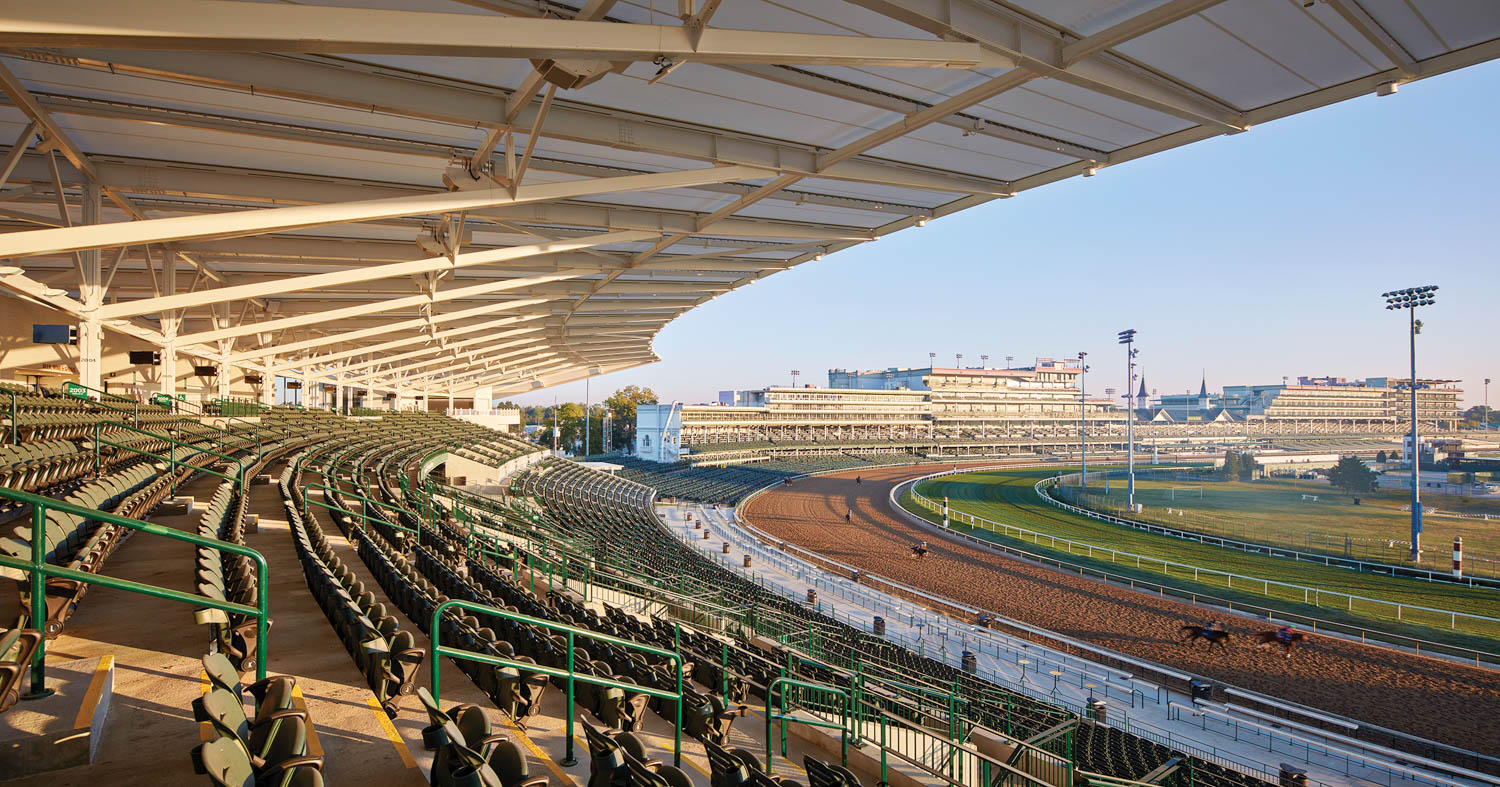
<point x="220" y="25"/>
<point x="267" y="220"/>
<point x="377" y="307"/>
<point x="1039" y="49"/>
<point x="368" y="88"/>
<point x="394" y="326"/>
<point x="173" y="116"/>
<point x="362" y="274"/>
<point x="380" y="349"/>
<point x="1378" y="36"/>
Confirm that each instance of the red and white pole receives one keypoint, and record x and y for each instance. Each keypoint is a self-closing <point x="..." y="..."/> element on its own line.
<point x="1458" y="556"/>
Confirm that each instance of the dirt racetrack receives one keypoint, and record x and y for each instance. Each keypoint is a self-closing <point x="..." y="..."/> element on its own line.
<point x="1430" y="697"/>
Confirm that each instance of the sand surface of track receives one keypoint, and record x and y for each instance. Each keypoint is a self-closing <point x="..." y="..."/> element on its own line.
<point x="1430" y="697"/>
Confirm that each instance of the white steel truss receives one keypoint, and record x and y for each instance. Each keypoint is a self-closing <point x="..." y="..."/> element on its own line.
<point x="421" y="228"/>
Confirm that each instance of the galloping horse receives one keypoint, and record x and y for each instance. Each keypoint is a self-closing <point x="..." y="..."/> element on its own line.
<point x="919" y="551"/>
<point x="1267" y="639"/>
<point x="1191" y="634"/>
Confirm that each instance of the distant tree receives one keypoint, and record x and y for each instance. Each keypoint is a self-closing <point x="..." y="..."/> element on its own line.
<point x="622" y="408"/>
<point x="1230" y="470"/>
<point x="570" y="425"/>
<point x="1352" y="476"/>
<point x="1380" y="457"/>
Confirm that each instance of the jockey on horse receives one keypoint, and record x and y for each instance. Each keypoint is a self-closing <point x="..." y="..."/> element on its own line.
<point x="1285" y="636"/>
<point x="920" y="550"/>
<point x="1212" y="632"/>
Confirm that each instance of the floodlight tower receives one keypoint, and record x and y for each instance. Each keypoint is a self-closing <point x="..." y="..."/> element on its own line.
<point x="931" y="360"/>
<point x="1410" y="299"/>
<point x="1486" y="404"/>
<point x="1127" y="338"/>
<point x="1008" y="359"/>
<point x="984" y="362"/>
<point x="1083" y="421"/>
<point x="795" y="372"/>
<point x="958" y="360"/>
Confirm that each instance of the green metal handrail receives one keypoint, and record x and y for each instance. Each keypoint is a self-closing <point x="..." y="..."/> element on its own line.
<point x="70" y="384"/>
<point x="172" y="461"/>
<point x="435" y="649"/>
<point x="364" y="515"/>
<point x="773" y="716"/>
<point x="99" y="425"/>
<point x="40" y="569"/>
<point x="173" y="404"/>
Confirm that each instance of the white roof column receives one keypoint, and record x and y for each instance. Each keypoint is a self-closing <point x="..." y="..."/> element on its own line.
<point x="268" y="381"/>
<point x="91" y="292"/>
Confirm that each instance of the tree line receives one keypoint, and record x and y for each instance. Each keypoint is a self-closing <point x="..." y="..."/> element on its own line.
<point x="566" y="421"/>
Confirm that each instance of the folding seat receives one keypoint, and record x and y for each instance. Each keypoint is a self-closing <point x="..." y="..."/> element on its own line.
<point x="270" y="695"/>
<point x="228" y="764"/>
<point x="274" y="738"/>
<point x="642" y="774"/>
<point x="394" y="672"/>
<point x="822" y="774"/>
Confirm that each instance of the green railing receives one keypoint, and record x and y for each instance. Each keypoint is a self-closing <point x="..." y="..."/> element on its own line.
<point x="435" y="649"/>
<point x="15" y="412"/>
<point x="365" y="503"/>
<point x="172" y="457"/>
<point x="573" y="557"/>
<point x="39" y="570"/>
<point x="773" y="716"/>
<point x="174" y="404"/>
<point x="81" y="391"/>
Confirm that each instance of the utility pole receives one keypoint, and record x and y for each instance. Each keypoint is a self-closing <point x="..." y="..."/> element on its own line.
<point x="1083" y="421"/>
<point x="1127" y="338"/>
<point x="1409" y="299"/>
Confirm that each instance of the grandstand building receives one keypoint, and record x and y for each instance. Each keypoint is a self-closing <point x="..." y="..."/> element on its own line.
<point x="883" y="406"/>
<point x="1336" y="402"/>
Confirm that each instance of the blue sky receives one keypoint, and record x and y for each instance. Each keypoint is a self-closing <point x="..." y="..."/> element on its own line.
<point x="1247" y="257"/>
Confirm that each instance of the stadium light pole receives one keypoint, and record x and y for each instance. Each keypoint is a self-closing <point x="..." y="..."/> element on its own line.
<point x="984" y="361"/>
<point x="795" y="372"/>
<point x="1008" y="359"/>
<point x="958" y="360"/>
<point x="1127" y="338"/>
<point x="1083" y="421"/>
<point x="1410" y="299"/>
<point x="931" y="360"/>
<point x="1486" y="404"/>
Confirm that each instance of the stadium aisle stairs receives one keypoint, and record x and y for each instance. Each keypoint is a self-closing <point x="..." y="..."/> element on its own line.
<point x="157" y="652"/>
<point x="357" y="750"/>
<point x="150" y="730"/>
<point x="544" y="739"/>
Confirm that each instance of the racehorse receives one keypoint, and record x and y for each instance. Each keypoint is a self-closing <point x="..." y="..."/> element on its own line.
<point x="919" y="552"/>
<point x="1191" y="634"/>
<point x="1267" y="639"/>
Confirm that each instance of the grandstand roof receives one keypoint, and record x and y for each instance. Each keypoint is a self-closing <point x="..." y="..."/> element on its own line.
<point x="519" y="193"/>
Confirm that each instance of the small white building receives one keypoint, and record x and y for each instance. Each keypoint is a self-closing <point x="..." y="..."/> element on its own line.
<point x="658" y="432"/>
